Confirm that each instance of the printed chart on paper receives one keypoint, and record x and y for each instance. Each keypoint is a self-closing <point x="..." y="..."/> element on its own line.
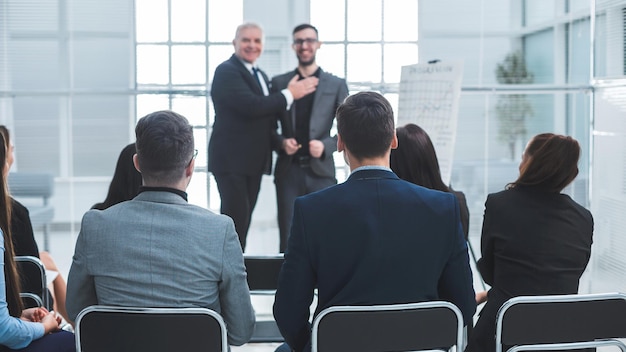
<point x="429" y="97"/>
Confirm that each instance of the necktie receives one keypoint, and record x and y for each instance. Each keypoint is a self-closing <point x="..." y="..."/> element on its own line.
<point x="257" y="75"/>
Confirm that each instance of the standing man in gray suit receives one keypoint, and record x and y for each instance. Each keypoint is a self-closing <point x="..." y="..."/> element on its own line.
<point x="157" y="250"/>
<point x="305" y="147"/>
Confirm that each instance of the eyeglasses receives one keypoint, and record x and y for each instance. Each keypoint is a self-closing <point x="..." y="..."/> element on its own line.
<point x="309" y="41"/>
<point x="195" y="153"/>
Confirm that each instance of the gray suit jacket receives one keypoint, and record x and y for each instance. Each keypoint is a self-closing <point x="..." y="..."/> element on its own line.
<point x="331" y="91"/>
<point x="159" y="251"/>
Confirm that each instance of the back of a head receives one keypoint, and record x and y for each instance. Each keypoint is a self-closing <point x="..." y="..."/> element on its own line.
<point x="165" y="147"/>
<point x="550" y="163"/>
<point x="415" y="159"/>
<point x="365" y="124"/>
<point x="126" y="180"/>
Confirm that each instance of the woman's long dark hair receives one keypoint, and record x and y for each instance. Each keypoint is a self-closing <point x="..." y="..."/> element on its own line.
<point x="550" y="163"/>
<point x="415" y="159"/>
<point x="126" y="180"/>
<point x="11" y="276"/>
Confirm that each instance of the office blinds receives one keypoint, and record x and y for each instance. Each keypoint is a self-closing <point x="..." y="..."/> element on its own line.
<point x="608" y="188"/>
<point x="66" y="69"/>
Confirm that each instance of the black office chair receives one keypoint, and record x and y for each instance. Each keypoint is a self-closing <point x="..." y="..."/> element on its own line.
<point x="422" y="326"/>
<point x="126" y="329"/>
<point x="263" y="280"/>
<point x="33" y="282"/>
<point x="31" y="300"/>
<point x="558" y="322"/>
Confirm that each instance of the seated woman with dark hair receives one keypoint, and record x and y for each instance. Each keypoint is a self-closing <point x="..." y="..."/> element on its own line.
<point x="126" y="180"/>
<point x="535" y="240"/>
<point x="33" y="329"/>
<point x="24" y="243"/>
<point x="415" y="160"/>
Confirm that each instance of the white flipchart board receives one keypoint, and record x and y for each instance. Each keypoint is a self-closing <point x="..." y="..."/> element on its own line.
<point x="429" y="97"/>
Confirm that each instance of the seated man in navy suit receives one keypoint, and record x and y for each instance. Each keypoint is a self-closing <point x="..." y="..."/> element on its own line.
<point x="374" y="239"/>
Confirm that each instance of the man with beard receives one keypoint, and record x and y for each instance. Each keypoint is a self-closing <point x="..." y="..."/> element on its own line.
<point x="305" y="147"/>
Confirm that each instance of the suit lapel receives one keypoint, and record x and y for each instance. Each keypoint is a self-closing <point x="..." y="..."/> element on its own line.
<point x="248" y="77"/>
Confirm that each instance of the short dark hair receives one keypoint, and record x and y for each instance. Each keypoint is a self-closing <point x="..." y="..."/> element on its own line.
<point x="365" y="124"/>
<point x="550" y="163"/>
<point x="415" y="159"/>
<point x="165" y="146"/>
<point x="304" y="26"/>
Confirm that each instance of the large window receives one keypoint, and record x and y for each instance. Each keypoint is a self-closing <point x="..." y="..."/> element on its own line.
<point x="367" y="42"/>
<point x="178" y="45"/>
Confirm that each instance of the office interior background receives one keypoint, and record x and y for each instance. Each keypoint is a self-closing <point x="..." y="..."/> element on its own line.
<point x="76" y="75"/>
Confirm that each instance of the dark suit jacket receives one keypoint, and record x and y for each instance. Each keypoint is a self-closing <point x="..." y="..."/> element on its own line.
<point x="533" y="243"/>
<point x="374" y="239"/>
<point x="331" y="91"/>
<point x="244" y="120"/>
<point x="460" y="196"/>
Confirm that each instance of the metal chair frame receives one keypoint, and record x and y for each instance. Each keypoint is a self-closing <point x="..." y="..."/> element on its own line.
<point x="42" y="287"/>
<point x="415" y="308"/>
<point x="601" y="341"/>
<point x="160" y="316"/>
<point x="264" y="281"/>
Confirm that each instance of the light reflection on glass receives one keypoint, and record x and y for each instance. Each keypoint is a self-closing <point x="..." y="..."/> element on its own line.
<point x="147" y="103"/>
<point x="364" y="62"/>
<point x="151" y="20"/>
<point x="396" y="56"/>
<point x="188" y="64"/>
<point x="364" y="20"/>
<point x="188" y="21"/>
<point x="401" y="20"/>
<point x="152" y="64"/>
<point x="331" y="58"/>
<point x="224" y="17"/>
<point x="328" y="16"/>
<point x="193" y="108"/>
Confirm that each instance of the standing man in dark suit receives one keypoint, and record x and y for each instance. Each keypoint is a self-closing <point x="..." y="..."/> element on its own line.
<point x="245" y="114"/>
<point x="375" y="239"/>
<point x="305" y="147"/>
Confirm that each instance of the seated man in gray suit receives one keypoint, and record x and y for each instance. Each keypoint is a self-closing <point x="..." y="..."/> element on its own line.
<point x="157" y="250"/>
<point x="374" y="239"/>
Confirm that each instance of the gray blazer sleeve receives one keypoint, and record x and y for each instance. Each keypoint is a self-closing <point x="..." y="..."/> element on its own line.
<point x="236" y="307"/>
<point x="81" y="290"/>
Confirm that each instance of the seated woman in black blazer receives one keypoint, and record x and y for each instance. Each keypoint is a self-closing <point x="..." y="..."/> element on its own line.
<point x="535" y="240"/>
<point x="415" y="161"/>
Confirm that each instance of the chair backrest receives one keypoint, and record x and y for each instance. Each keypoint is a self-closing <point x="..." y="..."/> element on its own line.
<point x="31" y="300"/>
<point x="24" y="184"/>
<point x="263" y="272"/>
<point x="559" y="321"/>
<point x="398" y="327"/>
<point x="33" y="277"/>
<point x="106" y="328"/>
<point x="263" y="280"/>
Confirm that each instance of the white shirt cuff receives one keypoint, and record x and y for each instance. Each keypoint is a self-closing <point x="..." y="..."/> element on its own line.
<point x="288" y="97"/>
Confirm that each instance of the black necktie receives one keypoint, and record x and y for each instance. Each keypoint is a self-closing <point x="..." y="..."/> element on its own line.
<point x="255" y="72"/>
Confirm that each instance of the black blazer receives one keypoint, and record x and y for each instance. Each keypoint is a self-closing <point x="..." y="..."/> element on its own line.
<point x="22" y="231"/>
<point x="533" y="243"/>
<point x="244" y="120"/>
